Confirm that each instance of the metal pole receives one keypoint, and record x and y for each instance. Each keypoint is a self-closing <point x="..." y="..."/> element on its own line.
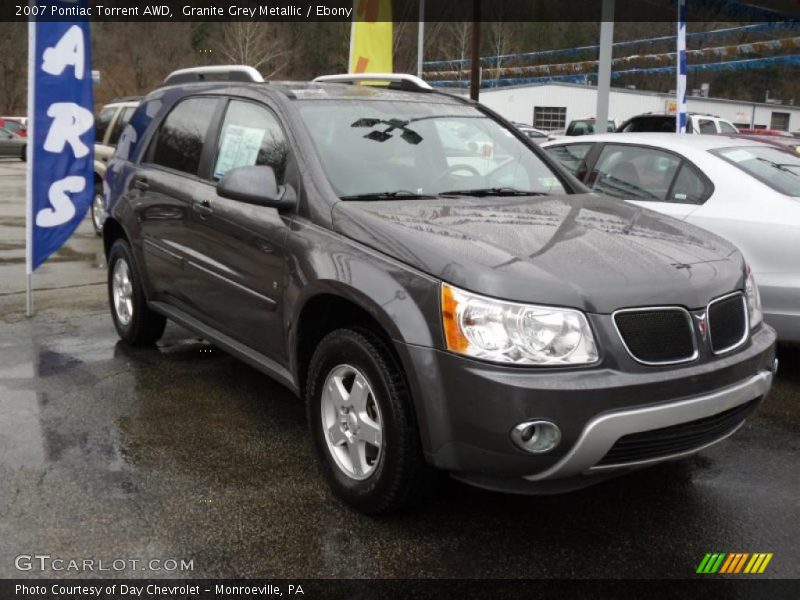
<point x="475" y="63"/>
<point x="680" y="88"/>
<point x="421" y="38"/>
<point x="604" y="66"/>
<point x="29" y="171"/>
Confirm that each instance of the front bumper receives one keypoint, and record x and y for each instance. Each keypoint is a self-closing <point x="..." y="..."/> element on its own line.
<point x="468" y="408"/>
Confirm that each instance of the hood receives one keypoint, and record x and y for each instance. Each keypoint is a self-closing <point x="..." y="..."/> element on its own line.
<point x="584" y="251"/>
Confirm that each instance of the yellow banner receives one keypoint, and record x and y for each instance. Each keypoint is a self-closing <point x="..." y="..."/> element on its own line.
<point x="371" y="37"/>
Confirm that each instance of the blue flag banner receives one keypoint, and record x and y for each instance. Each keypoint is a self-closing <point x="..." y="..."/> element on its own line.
<point x="60" y="134"/>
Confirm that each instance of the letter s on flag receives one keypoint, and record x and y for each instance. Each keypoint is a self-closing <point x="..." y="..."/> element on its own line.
<point x="61" y="143"/>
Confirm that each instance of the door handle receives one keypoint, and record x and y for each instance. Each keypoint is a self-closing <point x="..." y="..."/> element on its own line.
<point x="141" y="184"/>
<point x="202" y="209"/>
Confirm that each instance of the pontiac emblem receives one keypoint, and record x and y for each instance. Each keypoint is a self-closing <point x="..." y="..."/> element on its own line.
<point x="702" y="325"/>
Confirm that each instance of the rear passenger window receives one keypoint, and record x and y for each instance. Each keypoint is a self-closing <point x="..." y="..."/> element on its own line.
<point x="250" y="136"/>
<point x="571" y="156"/>
<point x="122" y="120"/>
<point x="707" y="126"/>
<point x="634" y="172"/>
<point x="688" y="188"/>
<point x="179" y="143"/>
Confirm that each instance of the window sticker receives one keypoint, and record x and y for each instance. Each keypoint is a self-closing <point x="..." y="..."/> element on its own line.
<point x="738" y="155"/>
<point x="239" y="148"/>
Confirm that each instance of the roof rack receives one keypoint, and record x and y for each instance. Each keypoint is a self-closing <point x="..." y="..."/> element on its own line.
<point x="125" y="99"/>
<point x="410" y="83"/>
<point x="214" y="73"/>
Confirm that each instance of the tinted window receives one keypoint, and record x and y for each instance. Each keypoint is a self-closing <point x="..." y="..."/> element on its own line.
<point x="179" y="144"/>
<point x="250" y="136"/>
<point x="726" y="127"/>
<point x="120" y="123"/>
<point x="651" y="124"/>
<point x="571" y="156"/>
<point x="707" y="126"/>
<point x="689" y="188"/>
<point x="634" y="172"/>
<point x="101" y="123"/>
<point x="777" y="168"/>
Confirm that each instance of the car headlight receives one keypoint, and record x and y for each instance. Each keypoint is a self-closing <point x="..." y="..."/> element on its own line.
<point x="509" y="332"/>
<point x="753" y="299"/>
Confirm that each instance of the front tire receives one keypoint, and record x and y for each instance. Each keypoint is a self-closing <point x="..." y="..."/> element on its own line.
<point x="136" y="324"/>
<point x="362" y="423"/>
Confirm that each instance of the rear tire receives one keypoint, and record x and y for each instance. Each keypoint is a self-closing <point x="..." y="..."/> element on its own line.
<point x="391" y="473"/>
<point x="98" y="209"/>
<point x="136" y="324"/>
<point x="23" y="155"/>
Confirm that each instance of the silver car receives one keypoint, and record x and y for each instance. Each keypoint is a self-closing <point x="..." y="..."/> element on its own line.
<point x="743" y="190"/>
<point x="12" y="145"/>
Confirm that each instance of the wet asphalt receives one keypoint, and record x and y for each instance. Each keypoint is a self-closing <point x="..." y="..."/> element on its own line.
<point x="182" y="452"/>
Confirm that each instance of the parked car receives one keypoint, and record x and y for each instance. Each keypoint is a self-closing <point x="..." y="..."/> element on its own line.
<point x="586" y="127"/>
<point x="789" y="142"/>
<point x="13" y="145"/>
<point x="18" y="125"/>
<point x="739" y="189"/>
<point x="108" y="127"/>
<point x="665" y="123"/>
<point x="537" y="135"/>
<point x="766" y="132"/>
<point x="435" y="306"/>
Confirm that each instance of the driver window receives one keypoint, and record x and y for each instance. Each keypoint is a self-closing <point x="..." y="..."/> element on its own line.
<point x="250" y="136"/>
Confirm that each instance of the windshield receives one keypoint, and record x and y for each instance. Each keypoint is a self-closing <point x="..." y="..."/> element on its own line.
<point x="402" y="149"/>
<point x="777" y="168"/>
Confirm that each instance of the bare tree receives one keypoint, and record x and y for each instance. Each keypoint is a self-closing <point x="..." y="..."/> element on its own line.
<point x="252" y="43"/>
<point x="13" y="68"/>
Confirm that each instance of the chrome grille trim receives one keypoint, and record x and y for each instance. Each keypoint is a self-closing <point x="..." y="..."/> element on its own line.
<point x="746" y="323"/>
<point x="695" y="354"/>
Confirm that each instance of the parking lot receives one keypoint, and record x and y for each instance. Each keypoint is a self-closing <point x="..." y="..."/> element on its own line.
<point x="182" y="452"/>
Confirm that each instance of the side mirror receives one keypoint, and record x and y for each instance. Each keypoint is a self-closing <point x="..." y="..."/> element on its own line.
<point x="255" y="185"/>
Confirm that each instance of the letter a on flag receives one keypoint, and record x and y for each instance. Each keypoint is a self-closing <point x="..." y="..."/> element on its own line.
<point x="371" y="37"/>
<point x="60" y="131"/>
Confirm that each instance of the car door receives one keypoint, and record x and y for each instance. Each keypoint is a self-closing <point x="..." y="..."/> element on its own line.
<point x="238" y="261"/>
<point x="7" y="145"/>
<point x="650" y="177"/>
<point x="163" y="191"/>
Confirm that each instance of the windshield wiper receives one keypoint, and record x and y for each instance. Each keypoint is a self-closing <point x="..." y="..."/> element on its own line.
<point x="495" y="191"/>
<point x="405" y="194"/>
<point x="785" y="167"/>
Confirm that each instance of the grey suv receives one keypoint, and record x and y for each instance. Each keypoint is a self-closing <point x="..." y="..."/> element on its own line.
<point x="442" y="294"/>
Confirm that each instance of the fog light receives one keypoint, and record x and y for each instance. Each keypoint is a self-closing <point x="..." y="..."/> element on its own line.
<point x="536" y="437"/>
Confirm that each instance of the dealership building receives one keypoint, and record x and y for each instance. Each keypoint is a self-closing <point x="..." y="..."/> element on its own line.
<point x="552" y="106"/>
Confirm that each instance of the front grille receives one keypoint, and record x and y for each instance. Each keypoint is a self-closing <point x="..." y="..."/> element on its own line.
<point x="727" y="323"/>
<point x="677" y="439"/>
<point x="657" y="336"/>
